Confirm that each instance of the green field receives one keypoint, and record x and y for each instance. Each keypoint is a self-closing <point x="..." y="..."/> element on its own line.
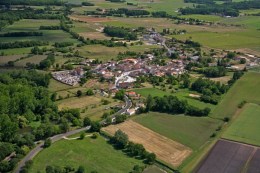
<point x="36" y="59"/>
<point x="182" y="94"/>
<point x="107" y="53"/>
<point x="33" y="26"/>
<point x="245" y="89"/>
<point x="210" y="18"/>
<point x="93" y="154"/>
<point x="4" y="59"/>
<point x="190" y="131"/>
<point x="246" y="127"/>
<point x="58" y="86"/>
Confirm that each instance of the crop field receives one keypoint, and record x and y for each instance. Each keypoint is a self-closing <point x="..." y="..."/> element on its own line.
<point x="167" y="150"/>
<point x="246" y="127"/>
<point x="90" y="153"/>
<point x="33" y="25"/>
<point x="231" y="157"/>
<point x="36" y="59"/>
<point x="5" y="59"/>
<point x="245" y="89"/>
<point x="89" y="30"/>
<point x="183" y="129"/>
<point x="107" y="53"/>
<point x="245" y="36"/>
<point x="58" y="86"/>
<point x="17" y="51"/>
<point x="181" y="94"/>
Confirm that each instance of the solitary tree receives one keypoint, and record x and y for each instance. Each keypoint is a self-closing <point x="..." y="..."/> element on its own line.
<point x="47" y="143"/>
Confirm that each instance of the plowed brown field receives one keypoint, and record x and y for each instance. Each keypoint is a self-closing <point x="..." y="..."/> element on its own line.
<point x="165" y="149"/>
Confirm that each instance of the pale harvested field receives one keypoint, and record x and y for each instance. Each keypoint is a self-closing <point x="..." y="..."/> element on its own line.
<point x="94" y="35"/>
<point x="89" y="19"/>
<point x="80" y="102"/>
<point x="167" y="150"/>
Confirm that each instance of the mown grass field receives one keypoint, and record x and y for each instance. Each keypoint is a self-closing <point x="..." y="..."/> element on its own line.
<point x="190" y="131"/>
<point x="93" y="154"/>
<point x="182" y="94"/>
<point x="246" y="127"/>
<point x="245" y="89"/>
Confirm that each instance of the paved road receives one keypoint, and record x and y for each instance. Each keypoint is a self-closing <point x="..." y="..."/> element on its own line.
<point x="39" y="147"/>
<point x="58" y="137"/>
<point x="128" y="104"/>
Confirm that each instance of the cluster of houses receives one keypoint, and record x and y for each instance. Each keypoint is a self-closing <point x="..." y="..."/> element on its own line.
<point x="125" y="72"/>
<point x="69" y="77"/>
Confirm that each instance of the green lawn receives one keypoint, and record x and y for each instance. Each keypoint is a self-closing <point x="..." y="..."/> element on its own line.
<point x="93" y="154"/>
<point x="190" y="131"/>
<point x="246" y="127"/>
<point x="182" y="94"/>
<point x="246" y="88"/>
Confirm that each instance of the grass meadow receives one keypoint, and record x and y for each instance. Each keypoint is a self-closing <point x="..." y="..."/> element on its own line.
<point x="93" y="154"/>
<point x="245" y="127"/>
<point x="245" y="89"/>
<point x="182" y="94"/>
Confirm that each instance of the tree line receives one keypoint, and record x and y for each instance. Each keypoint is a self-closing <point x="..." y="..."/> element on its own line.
<point x="120" y="12"/>
<point x="120" y="32"/>
<point x="32" y="2"/>
<point x="21" y="34"/>
<point x="172" y="105"/>
<point x="49" y="28"/>
<point x="227" y="9"/>
<point x="22" y="44"/>
<point x="120" y="141"/>
<point x="24" y="98"/>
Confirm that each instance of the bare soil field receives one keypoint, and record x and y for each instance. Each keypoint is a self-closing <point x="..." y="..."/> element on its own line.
<point x="167" y="150"/>
<point x="89" y="19"/>
<point x="231" y="157"/>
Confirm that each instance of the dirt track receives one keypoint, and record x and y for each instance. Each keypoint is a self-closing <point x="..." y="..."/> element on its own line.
<point x="165" y="149"/>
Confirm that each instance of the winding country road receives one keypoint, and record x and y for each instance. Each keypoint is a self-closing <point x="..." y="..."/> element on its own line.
<point x="128" y="104"/>
<point x="58" y="137"/>
<point x="39" y="147"/>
